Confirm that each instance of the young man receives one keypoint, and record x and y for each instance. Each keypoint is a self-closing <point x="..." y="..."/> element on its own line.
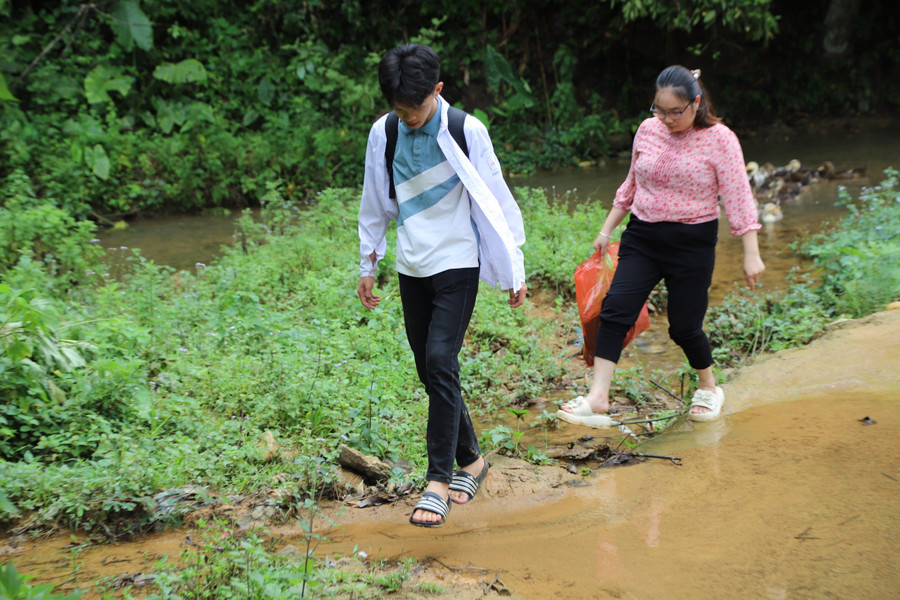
<point x="457" y="222"/>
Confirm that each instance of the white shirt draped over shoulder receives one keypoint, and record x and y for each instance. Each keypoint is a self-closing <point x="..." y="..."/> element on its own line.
<point x="494" y="210"/>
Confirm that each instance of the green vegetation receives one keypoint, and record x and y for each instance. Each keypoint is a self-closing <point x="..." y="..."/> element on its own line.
<point x="15" y="587"/>
<point x="228" y="564"/>
<point x="118" y="393"/>
<point x="858" y="265"/>
<point x="115" y="390"/>
<point x="856" y="272"/>
<point x="123" y="107"/>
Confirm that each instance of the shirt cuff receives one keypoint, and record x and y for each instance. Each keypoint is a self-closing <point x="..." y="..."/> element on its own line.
<point x="366" y="268"/>
<point x="743" y="230"/>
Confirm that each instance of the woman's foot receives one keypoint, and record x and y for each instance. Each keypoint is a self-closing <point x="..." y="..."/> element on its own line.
<point x="426" y="516"/>
<point x="580" y="411"/>
<point x="707" y="396"/>
<point x="596" y="405"/>
<point x="706" y="405"/>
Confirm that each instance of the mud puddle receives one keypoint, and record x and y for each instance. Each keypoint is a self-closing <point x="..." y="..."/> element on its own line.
<point x="789" y="495"/>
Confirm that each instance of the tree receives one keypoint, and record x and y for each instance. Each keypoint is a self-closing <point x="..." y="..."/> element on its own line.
<point x="753" y="19"/>
<point x="839" y="22"/>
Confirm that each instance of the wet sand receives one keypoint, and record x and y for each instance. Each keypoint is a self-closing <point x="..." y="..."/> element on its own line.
<point x="788" y="495"/>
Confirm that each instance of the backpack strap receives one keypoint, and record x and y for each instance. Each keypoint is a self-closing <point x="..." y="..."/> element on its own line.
<point x="390" y="130"/>
<point x="456" y="119"/>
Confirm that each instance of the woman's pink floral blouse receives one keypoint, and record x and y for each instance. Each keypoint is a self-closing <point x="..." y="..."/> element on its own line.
<point x="681" y="177"/>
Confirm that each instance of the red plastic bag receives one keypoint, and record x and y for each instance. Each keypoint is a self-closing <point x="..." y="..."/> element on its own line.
<point x="592" y="280"/>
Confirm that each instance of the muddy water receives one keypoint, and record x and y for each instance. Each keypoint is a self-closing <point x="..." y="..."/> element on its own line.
<point x="72" y="561"/>
<point x="785" y="501"/>
<point x="179" y="241"/>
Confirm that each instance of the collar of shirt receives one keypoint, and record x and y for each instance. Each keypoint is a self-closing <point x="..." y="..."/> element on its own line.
<point x="430" y="128"/>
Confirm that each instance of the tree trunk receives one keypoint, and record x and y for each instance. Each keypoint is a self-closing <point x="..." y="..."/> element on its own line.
<point x="839" y="21"/>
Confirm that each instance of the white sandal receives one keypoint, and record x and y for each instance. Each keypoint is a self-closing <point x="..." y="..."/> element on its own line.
<point x="583" y="415"/>
<point x="711" y="401"/>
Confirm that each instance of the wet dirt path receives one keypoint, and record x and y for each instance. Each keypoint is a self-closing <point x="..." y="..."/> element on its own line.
<point x="789" y="495"/>
<point x="775" y="502"/>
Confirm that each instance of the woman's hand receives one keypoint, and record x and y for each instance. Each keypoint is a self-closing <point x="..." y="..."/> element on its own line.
<point x="753" y="269"/>
<point x="601" y="243"/>
<point x="615" y="216"/>
<point x="753" y="264"/>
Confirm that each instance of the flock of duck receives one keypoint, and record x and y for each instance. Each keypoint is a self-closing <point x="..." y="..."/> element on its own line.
<point x="775" y="186"/>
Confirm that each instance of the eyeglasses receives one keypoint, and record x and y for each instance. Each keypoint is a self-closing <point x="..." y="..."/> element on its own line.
<point x="662" y="114"/>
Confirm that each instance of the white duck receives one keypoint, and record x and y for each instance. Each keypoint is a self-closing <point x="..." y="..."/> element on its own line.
<point x="770" y="213"/>
<point x="756" y="175"/>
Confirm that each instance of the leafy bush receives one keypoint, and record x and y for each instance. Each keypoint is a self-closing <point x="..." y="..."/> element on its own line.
<point x="748" y="323"/>
<point x="856" y="271"/>
<point x="858" y="262"/>
<point x="15" y="587"/>
<point x="34" y="356"/>
<point x="159" y="106"/>
<point x="37" y="230"/>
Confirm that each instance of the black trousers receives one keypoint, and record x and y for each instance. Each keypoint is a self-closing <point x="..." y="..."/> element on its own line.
<point x="436" y="311"/>
<point x="684" y="256"/>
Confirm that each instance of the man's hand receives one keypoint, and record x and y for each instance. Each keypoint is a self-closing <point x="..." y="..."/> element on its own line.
<point x="517" y="299"/>
<point x="366" y="295"/>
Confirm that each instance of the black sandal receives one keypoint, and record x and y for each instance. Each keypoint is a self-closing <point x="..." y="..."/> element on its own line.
<point x="467" y="484"/>
<point x="431" y="502"/>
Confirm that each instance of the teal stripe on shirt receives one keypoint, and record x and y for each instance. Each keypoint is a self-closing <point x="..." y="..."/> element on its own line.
<point x="426" y="200"/>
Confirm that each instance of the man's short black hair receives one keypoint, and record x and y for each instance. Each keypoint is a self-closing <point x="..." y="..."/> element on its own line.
<point x="408" y="74"/>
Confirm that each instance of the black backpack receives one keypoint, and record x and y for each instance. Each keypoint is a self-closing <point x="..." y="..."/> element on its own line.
<point x="455" y="120"/>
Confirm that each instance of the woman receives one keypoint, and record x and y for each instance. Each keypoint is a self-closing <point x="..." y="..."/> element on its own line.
<point x="683" y="161"/>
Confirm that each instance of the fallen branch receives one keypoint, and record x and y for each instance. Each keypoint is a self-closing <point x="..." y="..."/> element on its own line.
<point x="660" y="386"/>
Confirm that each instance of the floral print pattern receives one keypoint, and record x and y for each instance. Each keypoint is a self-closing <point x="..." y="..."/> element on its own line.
<point x="681" y="177"/>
